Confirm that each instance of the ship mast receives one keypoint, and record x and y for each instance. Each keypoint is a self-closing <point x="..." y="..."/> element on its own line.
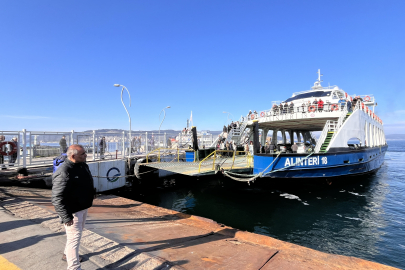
<point x="317" y="84"/>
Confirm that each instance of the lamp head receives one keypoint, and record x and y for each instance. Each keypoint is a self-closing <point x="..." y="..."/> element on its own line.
<point x="117" y="85"/>
<point x="168" y="107"/>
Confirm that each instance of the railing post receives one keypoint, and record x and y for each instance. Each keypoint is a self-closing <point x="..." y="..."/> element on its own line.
<point x="24" y="141"/>
<point x="123" y="144"/>
<point x="71" y="137"/>
<point x="94" y="145"/>
<point x="146" y="142"/>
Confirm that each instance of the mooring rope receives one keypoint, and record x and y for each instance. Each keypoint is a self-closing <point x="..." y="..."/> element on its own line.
<point x="253" y="177"/>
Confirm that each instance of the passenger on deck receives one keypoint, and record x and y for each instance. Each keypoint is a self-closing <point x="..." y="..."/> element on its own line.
<point x="316" y="104"/>
<point x="303" y="107"/>
<point x="291" y="107"/>
<point x="266" y="148"/>
<point x="349" y="105"/>
<point x="246" y="148"/>
<point x="341" y="103"/>
<point x="354" y="103"/>
<point x="294" y="148"/>
<point x="224" y="129"/>
<point x="320" y="105"/>
<point x="275" y="109"/>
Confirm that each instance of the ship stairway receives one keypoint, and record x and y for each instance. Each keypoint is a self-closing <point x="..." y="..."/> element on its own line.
<point x="325" y="144"/>
<point x="330" y="130"/>
<point x="236" y="134"/>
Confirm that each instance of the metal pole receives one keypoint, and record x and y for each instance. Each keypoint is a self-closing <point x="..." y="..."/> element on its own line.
<point x="24" y="141"/>
<point x="146" y="142"/>
<point x="123" y="144"/>
<point x="94" y="145"/>
<point x="71" y="139"/>
<point x="123" y="87"/>
<point x="164" y="142"/>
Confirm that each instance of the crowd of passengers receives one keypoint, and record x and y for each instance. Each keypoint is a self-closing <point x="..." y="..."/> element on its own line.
<point x="318" y="105"/>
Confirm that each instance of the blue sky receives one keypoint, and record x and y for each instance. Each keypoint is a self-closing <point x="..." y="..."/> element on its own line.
<point x="60" y="59"/>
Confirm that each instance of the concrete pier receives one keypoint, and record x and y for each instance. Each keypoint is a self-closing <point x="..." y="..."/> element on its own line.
<point x="127" y="234"/>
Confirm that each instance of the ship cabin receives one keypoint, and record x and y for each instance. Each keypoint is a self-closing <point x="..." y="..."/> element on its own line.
<point x="320" y="120"/>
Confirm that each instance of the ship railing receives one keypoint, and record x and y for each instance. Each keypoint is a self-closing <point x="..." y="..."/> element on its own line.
<point x="221" y="156"/>
<point x="295" y="112"/>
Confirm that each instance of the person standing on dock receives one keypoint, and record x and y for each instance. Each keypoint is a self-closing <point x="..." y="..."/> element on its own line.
<point x="102" y="146"/>
<point x="72" y="195"/>
<point x="62" y="144"/>
<point x="2" y="148"/>
<point x="13" y="157"/>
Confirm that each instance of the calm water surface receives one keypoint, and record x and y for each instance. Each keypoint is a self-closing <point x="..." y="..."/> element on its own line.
<point x="364" y="218"/>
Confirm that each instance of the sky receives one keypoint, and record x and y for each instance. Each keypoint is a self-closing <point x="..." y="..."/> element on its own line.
<point x="60" y="59"/>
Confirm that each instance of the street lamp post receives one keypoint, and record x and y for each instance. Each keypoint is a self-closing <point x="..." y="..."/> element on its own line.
<point x="123" y="87"/>
<point x="164" y="116"/>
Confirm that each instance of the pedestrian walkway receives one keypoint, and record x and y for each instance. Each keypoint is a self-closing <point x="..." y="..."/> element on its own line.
<point x="27" y="245"/>
<point x="131" y="235"/>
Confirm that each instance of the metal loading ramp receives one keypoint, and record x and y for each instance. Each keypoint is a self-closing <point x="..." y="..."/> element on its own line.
<point x="208" y="166"/>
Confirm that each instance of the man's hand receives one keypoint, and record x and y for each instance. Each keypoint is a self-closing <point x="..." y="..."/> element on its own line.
<point x="70" y="223"/>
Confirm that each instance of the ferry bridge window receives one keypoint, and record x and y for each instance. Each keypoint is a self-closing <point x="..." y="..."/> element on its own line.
<point x="316" y="94"/>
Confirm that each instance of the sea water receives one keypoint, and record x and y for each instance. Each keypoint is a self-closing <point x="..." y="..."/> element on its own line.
<point x="364" y="217"/>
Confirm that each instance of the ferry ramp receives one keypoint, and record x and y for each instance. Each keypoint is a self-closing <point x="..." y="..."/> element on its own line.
<point x="234" y="161"/>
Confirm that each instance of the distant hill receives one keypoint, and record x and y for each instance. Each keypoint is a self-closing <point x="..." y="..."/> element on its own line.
<point x="169" y="132"/>
<point x="395" y="136"/>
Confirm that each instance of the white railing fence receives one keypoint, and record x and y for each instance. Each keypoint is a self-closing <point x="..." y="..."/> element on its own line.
<point x="35" y="148"/>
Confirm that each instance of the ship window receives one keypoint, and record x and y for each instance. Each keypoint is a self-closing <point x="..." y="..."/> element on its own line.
<point x="315" y="94"/>
<point x="360" y="159"/>
<point x="346" y="161"/>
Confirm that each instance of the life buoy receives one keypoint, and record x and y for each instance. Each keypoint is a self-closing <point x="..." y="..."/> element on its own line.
<point x="311" y="108"/>
<point x="262" y="114"/>
<point x="252" y="116"/>
<point x="334" y="107"/>
<point x="362" y="105"/>
<point x="346" y="95"/>
<point x="367" y="98"/>
<point x="9" y="153"/>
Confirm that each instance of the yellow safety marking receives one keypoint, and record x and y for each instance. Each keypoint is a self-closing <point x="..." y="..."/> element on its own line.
<point x="6" y="265"/>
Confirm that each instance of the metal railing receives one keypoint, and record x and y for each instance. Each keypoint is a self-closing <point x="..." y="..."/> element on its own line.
<point x="294" y="112"/>
<point x="217" y="155"/>
<point x="41" y="147"/>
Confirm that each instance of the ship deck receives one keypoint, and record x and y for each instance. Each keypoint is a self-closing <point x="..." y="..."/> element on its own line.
<point x="240" y="164"/>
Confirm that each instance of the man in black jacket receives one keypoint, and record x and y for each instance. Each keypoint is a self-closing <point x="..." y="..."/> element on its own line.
<point x="72" y="194"/>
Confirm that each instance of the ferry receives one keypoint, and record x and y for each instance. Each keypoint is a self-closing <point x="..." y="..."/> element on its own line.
<point x="324" y="131"/>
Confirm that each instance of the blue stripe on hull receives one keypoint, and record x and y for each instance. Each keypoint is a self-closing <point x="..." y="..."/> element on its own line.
<point x="322" y="165"/>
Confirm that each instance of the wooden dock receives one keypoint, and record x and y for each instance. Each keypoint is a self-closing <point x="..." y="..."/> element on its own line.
<point x="127" y="234"/>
